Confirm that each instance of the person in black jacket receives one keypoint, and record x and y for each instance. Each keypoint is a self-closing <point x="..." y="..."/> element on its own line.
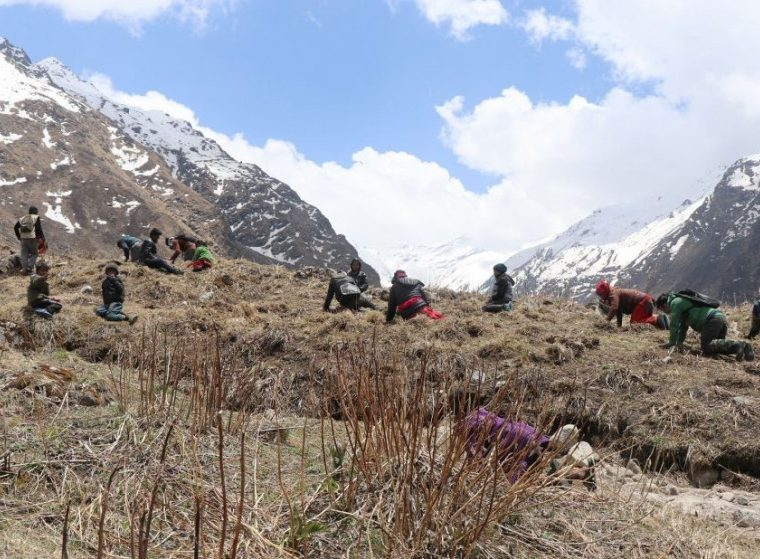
<point x="28" y="230"/>
<point x="408" y="298"/>
<point x="149" y="254"/>
<point x="500" y="297"/>
<point x="344" y="288"/>
<point x="360" y="278"/>
<point x="113" y="297"/>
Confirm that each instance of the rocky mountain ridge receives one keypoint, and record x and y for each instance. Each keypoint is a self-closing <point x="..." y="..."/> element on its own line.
<point x="706" y="244"/>
<point x="246" y="212"/>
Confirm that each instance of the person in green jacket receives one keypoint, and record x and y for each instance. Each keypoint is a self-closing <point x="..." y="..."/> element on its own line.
<point x="708" y="321"/>
<point x="202" y="259"/>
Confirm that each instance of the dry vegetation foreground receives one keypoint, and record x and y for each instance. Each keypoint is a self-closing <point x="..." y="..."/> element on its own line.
<point x="236" y="419"/>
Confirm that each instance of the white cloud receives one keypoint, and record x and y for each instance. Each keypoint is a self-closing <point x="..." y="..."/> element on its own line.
<point x="552" y="162"/>
<point x="577" y="58"/>
<point x="130" y="12"/>
<point x="462" y="15"/>
<point x="541" y="26"/>
<point x="150" y="101"/>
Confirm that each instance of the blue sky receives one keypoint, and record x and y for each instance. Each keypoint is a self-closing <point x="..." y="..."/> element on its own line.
<point x="327" y="75"/>
<point x="422" y="121"/>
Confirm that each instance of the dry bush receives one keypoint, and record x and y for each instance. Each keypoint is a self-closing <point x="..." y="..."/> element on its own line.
<point x="403" y="471"/>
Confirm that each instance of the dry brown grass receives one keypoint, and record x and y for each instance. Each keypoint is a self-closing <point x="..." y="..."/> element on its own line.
<point x="554" y="360"/>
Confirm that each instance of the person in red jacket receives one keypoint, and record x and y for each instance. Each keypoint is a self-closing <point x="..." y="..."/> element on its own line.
<point x="638" y="304"/>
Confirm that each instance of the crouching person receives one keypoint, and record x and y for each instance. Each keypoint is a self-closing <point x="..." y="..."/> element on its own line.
<point x="693" y="310"/>
<point x="113" y="297"/>
<point x="637" y="304"/>
<point x="344" y="288"/>
<point x="38" y="293"/>
<point x="202" y="258"/>
<point x="408" y="298"/>
<point x="500" y="298"/>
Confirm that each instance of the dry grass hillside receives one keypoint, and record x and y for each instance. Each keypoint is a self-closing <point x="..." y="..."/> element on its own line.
<point x="236" y="419"/>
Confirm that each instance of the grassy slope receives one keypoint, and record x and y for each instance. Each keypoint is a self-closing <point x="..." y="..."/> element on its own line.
<point x="619" y="386"/>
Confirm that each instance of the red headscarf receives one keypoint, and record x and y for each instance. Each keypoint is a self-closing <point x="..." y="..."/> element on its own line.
<point x="603" y="288"/>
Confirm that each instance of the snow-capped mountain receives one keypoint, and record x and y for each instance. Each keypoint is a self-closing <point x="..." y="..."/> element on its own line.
<point x="257" y="215"/>
<point x="601" y="245"/>
<point x="715" y="249"/>
<point x="84" y="174"/>
<point x="708" y="244"/>
<point x="456" y="264"/>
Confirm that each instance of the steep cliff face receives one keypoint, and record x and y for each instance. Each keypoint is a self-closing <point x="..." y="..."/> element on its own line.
<point x="716" y="249"/>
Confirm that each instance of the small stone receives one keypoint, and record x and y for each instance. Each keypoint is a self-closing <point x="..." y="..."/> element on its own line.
<point x="86" y="289"/>
<point x="582" y="455"/>
<point x="728" y="497"/>
<point x="564" y="436"/>
<point x="745" y="401"/>
<point x="206" y="296"/>
<point x="741" y="500"/>
<point x="633" y="465"/>
<point x="477" y="377"/>
<point x="671" y="490"/>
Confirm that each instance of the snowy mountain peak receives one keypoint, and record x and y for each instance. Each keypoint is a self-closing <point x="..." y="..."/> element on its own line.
<point x="13" y="54"/>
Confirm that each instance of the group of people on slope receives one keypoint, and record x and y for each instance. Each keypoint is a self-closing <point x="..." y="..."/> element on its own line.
<point x="407" y="296"/>
<point x="679" y="312"/>
<point x="145" y="251"/>
<point x="28" y="230"/>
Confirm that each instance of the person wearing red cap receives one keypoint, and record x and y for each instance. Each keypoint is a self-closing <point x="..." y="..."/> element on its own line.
<point x="408" y="298"/>
<point x="636" y="303"/>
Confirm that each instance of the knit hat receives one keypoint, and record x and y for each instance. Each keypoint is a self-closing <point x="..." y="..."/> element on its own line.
<point x="500" y="268"/>
<point x="603" y="288"/>
<point x="398" y="274"/>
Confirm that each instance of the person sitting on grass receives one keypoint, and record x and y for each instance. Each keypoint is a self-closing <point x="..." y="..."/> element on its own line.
<point x="149" y="254"/>
<point x="638" y="304"/>
<point x="359" y="277"/>
<point x="113" y="297"/>
<point x="711" y="324"/>
<point x="38" y="293"/>
<point x="408" y="298"/>
<point x="500" y="298"/>
<point x="349" y="295"/>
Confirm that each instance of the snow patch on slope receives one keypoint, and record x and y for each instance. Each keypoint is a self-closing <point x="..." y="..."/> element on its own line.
<point x="55" y="211"/>
<point x="9" y="139"/>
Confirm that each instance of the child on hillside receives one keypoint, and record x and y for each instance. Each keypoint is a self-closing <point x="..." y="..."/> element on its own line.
<point x="113" y="297"/>
<point x="38" y="293"/>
